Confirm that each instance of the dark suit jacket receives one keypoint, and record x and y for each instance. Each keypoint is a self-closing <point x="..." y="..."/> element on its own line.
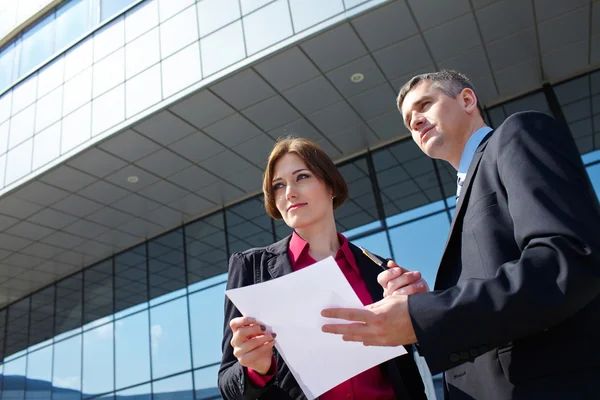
<point x="516" y="310"/>
<point x="263" y="264"/>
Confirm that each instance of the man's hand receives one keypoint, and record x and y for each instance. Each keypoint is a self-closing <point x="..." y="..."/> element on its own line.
<point x="399" y="281"/>
<point x="385" y="323"/>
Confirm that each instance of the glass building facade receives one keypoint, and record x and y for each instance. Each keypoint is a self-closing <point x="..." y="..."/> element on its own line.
<point x="147" y="323"/>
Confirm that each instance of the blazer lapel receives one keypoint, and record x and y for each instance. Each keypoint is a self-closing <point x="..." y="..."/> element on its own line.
<point x="461" y="205"/>
<point x="279" y="264"/>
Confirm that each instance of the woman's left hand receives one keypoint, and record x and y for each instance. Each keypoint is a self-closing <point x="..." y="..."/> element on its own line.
<point x="397" y="280"/>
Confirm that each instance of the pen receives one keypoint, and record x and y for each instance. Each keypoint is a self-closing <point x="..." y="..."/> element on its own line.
<point x="381" y="263"/>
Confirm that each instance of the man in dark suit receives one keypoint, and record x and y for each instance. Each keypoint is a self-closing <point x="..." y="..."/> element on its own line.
<point x="515" y="313"/>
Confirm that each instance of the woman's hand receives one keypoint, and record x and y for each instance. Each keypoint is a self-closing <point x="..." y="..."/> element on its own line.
<point x="252" y="345"/>
<point x="397" y="280"/>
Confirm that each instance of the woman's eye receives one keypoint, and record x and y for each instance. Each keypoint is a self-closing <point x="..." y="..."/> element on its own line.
<point x="277" y="186"/>
<point x="302" y="176"/>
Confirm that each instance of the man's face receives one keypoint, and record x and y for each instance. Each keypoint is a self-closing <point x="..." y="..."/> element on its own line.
<point x="438" y="123"/>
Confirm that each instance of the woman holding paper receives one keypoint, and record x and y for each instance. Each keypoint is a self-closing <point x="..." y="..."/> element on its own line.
<point x="303" y="186"/>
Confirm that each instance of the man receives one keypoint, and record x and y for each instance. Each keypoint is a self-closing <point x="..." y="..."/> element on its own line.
<point x="515" y="313"/>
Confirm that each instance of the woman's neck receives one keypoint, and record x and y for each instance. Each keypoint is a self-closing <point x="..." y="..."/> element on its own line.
<point x="322" y="239"/>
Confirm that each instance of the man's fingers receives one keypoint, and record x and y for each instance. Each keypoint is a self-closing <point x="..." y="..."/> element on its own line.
<point x="405" y="279"/>
<point x="346" y="329"/>
<point x="418" y="287"/>
<point x="349" y="314"/>
<point x="384" y="277"/>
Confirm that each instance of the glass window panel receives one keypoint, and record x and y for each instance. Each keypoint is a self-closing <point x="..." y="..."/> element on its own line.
<point x="42" y="316"/>
<point x="37" y="44"/>
<point x="132" y="350"/>
<point x="2" y="331"/>
<point x="109" y="38"/>
<point x="166" y="261"/>
<point x="206" y="318"/>
<point x="222" y="48"/>
<point x="536" y="101"/>
<point x="419" y="245"/>
<point x="179" y="387"/>
<point x="206" y="248"/>
<point x="360" y="208"/>
<point x="66" y="377"/>
<point x="98" y="291"/>
<point x="143" y="91"/>
<point x="170" y="339"/>
<point x="142" y="392"/>
<point x="250" y="5"/>
<point x="72" y="22"/>
<point x="205" y="381"/>
<point x="76" y="128"/>
<point x="267" y="26"/>
<point x="281" y="229"/>
<point x="248" y="225"/>
<point x="131" y="279"/>
<point x="21" y="126"/>
<point x="108" y="110"/>
<point x="39" y="375"/>
<point x="48" y="109"/>
<point x="5" y="105"/>
<point x="108" y="8"/>
<point x="69" y="296"/>
<point x="181" y="70"/>
<point x="14" y="379"/>
<point x="7" y="62"/>
<point x="307" y="13"/>
<point x="18" y="326"/>
<point x="178" y="32"/>
<point x="591" y="157"/>
<point x="46" y="146"/>
<point x="79" y="58"/>
<point x="168" y="8"/>
<point x="24" y="93"/>
<point x="109" y="72"/>
<point x="594" y="174"/>
<point x="377" y="243"/>
<point x="141" y="19"/>
<point x="214" y="14"/>
<point x="98" y="365"/>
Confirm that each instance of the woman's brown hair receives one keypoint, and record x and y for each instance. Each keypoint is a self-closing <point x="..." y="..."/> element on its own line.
<point x="316" y="160"/>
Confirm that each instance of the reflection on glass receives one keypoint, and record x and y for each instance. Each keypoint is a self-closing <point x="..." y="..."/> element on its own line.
<point x="131" y="280"/>
<point x="14" y="379"/>
<point x="42" y="316"/>
<point x="179" y="387"/>
<point x="98" y="362"/>
<point x="98" y="291"/>
<point x="594" y="174"/>
<point x="206" y="318"/>
<point x="66" y="377"/>
<point x="170" y="339"/>
<point x="142" y="392"/>
<point x="267" y="26"/>
<point x="360" y="208"/>
<point x="206" y="248"/>
<point x="248" y="225"/>
<point x="72" y="21"/>
<point x="68" y="304"/>
<point x="167" y="265"/>
<point x="415" y="213"/>
<point x="591" y="157"/>
<point x="205" y="381"/>
<point x="37" y="44"/>
<point x="7" y="62"/>
<point x="307" y="13"/>
<point x="132" y="350"/>
<point x="2" y="331"/>
<point x="108" y="8"/>
<point x="18" y="326"/>
<point x="39" y="374"/>
<point x="419" y="245"/>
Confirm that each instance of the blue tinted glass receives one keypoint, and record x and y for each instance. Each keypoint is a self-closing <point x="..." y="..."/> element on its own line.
<point x="419" y="245"/>
<point x="206" y="250"/>
<point x="131" y="283"/>
<point x="169" y="334"/>
<point x="98" y="374"/>
<point x="37" y="44"/>
<point x="72" y="22"/>
<point x="7" y="62"/>
<point x="132" y="349"/>
<point x="591" y="157"/>
<point x="18" y="326"/>
<point x="205" y="381"/>
<point x="142" y="392"/>
<point x="66" y="377"/>
<point x="39" y="375"/>
<point x="166" y="263"/>
<point x="377" y="244"/>
<point x="109" y="8"/>
<point x="14" y="379"/>
<point x="416" y="213"/>
<point x="594" y="174"/>
<point x="179" y="387"/>
<point x="361" y="229"/>
<point x="206" y="315"/>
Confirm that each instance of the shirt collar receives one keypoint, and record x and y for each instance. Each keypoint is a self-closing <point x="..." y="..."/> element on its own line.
<point x="298" y="246"/>
<point x="470" y="149"/>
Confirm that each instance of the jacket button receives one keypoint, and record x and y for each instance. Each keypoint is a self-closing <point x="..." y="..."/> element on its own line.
<point x="474" y="352"/>
<point x="454" y="357"/>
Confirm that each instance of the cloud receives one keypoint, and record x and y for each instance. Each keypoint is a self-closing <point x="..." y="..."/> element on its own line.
<point x="69" y="382"/>
<point x="155" y="335"/>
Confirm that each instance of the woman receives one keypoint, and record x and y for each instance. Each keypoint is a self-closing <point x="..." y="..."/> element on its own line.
<point x="303" y="186"/>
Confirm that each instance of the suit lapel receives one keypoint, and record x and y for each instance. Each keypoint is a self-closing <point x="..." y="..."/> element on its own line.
<point x="461" y="205"/>
<point x="279" y="264"/>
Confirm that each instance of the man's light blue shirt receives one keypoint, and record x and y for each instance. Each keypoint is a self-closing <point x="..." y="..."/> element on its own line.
<point x="467" y="156"/>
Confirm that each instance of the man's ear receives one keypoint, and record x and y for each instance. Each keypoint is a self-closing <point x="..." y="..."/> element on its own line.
<point x="469" y="100"/>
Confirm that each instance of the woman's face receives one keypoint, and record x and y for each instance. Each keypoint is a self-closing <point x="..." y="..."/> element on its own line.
<point x="301" y="197"/>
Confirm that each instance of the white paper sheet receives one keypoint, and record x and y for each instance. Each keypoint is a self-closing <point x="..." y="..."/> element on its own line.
<point x="291" y="306"/>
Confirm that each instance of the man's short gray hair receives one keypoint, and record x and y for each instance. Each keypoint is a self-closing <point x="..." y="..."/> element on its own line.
<point x="450" y="82"/>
